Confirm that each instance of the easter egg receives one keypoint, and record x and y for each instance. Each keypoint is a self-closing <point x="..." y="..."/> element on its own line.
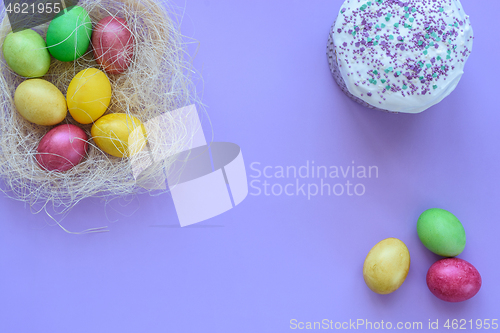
<point x="68" y="35"/>
<point x="88" y="95"/>
<point x="386" y="266"/>
<point x="62" y="148"/>
<point x="113" y="44"/>
<point x="26" y="53"/>
<point x="111" y="133"/>
<point x="40" y="102"/>
<point x="441" y="232"/>
<point x="453" y="280"/>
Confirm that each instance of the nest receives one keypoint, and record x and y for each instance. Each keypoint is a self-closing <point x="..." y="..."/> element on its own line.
<point x="159" y="80"/>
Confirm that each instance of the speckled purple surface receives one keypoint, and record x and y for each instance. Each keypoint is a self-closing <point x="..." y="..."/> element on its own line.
<point x="272" y="259"/>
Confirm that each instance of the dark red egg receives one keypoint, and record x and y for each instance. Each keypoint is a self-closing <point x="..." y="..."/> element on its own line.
<point x="62" y="148"/>
<point x="113" y="44"/>
<point x="453" y="280"/>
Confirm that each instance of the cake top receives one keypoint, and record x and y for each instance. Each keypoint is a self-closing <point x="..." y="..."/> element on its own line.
<point x="402" y="56"/>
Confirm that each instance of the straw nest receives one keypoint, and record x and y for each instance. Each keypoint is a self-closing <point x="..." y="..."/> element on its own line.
<point x="159" y="80"/>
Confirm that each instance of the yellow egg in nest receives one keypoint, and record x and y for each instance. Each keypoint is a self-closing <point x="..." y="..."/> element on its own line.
<point x="111" y="134"/>
<point x="88" y="95"/>
<point x="40" y="102"/>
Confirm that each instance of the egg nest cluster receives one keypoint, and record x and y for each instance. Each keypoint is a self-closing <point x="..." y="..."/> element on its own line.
<point x="160" y="79"/>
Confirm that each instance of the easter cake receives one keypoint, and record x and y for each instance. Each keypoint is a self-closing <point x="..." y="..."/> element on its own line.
<point x="399" y="56"/>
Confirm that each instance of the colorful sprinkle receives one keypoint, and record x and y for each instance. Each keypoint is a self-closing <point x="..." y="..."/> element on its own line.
<point x="428" y="31"/>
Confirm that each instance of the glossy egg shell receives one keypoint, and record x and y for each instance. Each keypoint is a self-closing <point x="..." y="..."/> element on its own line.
<point x="26" y="53"/>
<point x="113" y="44"/>
<point x="88" y="95"/>
<point x="386" y="266"/>
<point x="69" y="33"/>
<point x="40" y="102"/>
<point x="111" y="133"/>
<point x="453" y="280"/>
<point x="441" y="232"/>
<point x="62" y="148"/>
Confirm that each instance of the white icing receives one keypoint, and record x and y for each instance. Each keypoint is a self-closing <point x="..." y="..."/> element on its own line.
<point x="374" y="57"/>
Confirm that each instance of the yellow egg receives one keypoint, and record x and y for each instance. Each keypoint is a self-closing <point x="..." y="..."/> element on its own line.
<point x="386" y="266"/>
<point x="89" y="94"/>
<point x="40" y="102"/>
<point x="111" y="133"/>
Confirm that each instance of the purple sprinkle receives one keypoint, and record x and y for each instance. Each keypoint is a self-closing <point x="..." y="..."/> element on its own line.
<point x="339" y="30"/>
<point x="423" y="81"/>
<point x="402" y="48"/>
<point x="362" y="49"/>
<point x="369" y="94"/>
<point x="436" y="45"/>
<point x="400" y="38"/>
<point x="357" y="44"/>
<point x="350" y="31"/>
<point x="345" y="44"/>
<point x="443" y="27"/>
<point x="433" y="60"/>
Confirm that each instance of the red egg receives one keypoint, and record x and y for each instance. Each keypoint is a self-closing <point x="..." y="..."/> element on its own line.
<point x="113" y="44"/>
<point x="453" y="280"/>
<point x="62" y="148"/>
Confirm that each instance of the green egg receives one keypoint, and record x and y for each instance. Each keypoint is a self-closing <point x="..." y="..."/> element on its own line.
<point x="68" y="35"/>
<point x="441" y="232"/>
<point x="26" y="53"/>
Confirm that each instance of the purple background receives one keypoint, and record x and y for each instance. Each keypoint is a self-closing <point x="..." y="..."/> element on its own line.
<point x="268" y="88"/>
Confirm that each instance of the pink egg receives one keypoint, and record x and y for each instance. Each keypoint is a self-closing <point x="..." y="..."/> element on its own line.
<point x="113" y="44"/>
<point x="62" y="148"/>
<point x="453" y="280"/>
